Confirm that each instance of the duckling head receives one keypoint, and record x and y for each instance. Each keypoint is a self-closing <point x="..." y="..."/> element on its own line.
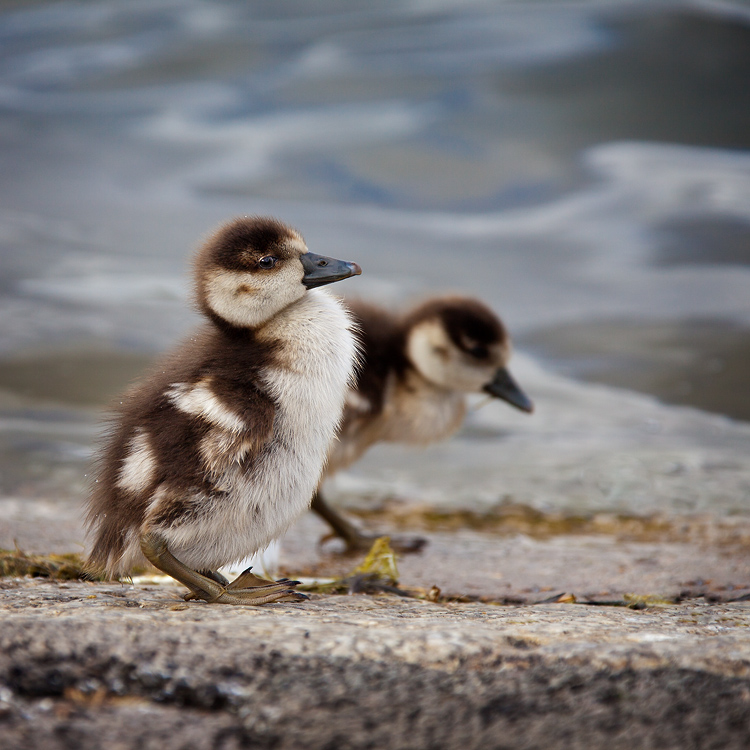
<point x="459" y="344"/>
<point x="252" y="268"/>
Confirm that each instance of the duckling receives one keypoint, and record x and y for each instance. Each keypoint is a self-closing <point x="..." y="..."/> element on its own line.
<point x="217" y="452"/>
<point x="411" y="387"/>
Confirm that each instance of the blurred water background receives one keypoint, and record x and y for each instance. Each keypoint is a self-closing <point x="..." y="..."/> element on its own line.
<point x="582" y="166"/>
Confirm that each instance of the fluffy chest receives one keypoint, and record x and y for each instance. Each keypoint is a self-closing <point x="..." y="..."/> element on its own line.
<point x="308" y="384"/>
<point x="313" y="368"/>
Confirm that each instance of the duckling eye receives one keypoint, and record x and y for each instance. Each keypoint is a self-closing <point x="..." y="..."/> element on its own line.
<point x="479" y="351"/>
<point x="269" y="261"/>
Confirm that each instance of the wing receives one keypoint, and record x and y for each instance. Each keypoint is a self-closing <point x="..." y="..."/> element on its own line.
<point x="215" y="425"/>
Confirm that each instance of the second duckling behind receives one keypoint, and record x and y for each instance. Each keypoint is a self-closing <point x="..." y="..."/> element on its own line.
<point x="416" y="372"/>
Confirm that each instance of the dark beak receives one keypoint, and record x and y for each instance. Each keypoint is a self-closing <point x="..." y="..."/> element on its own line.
<point x="320" y="270"/>
<point x="503" y="386"/>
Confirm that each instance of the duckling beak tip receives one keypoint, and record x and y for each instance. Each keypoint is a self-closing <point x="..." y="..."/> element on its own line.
<point x="505" y="387"/>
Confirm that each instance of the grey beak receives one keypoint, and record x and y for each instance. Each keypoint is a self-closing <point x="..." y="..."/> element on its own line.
<point x="503" y="386"/>
<point x="320" y="270"/>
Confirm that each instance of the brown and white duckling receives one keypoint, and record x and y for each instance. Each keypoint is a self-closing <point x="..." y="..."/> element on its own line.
<point x="415" y="373"/>
<point x="219" y="450"/>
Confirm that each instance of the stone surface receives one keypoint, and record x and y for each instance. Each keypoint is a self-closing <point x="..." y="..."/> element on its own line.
<point x="521" y="567"/>
<point x="94" y="665"/>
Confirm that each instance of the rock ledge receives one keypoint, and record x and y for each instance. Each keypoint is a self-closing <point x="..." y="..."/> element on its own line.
<point x="97" y="665"/>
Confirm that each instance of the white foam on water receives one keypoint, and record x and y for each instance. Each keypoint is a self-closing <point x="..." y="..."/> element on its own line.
<point x="635" y="181"/>
<point x="589" y="252"/>
<point x="245" y="148"/>
<point x="453" y="37"/>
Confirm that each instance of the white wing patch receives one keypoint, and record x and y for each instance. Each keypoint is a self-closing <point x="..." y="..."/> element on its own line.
<point x="200" y="401"/>
<point x="138" y="467"/>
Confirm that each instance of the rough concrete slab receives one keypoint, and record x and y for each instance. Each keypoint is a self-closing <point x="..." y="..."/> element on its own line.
<point x="95" y="665"/>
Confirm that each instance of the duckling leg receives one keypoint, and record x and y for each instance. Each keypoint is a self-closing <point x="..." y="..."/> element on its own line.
<point x="246" y="589"/>
<point x="214" y="576"/>
<point x="356" y="540"/>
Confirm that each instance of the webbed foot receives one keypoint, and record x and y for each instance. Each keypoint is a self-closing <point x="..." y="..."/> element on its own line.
<point x="247" y="588"/>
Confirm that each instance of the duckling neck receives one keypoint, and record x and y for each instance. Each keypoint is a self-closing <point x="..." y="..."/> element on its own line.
<point x="312" y="334"/>
<point x="422" y="412"/>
